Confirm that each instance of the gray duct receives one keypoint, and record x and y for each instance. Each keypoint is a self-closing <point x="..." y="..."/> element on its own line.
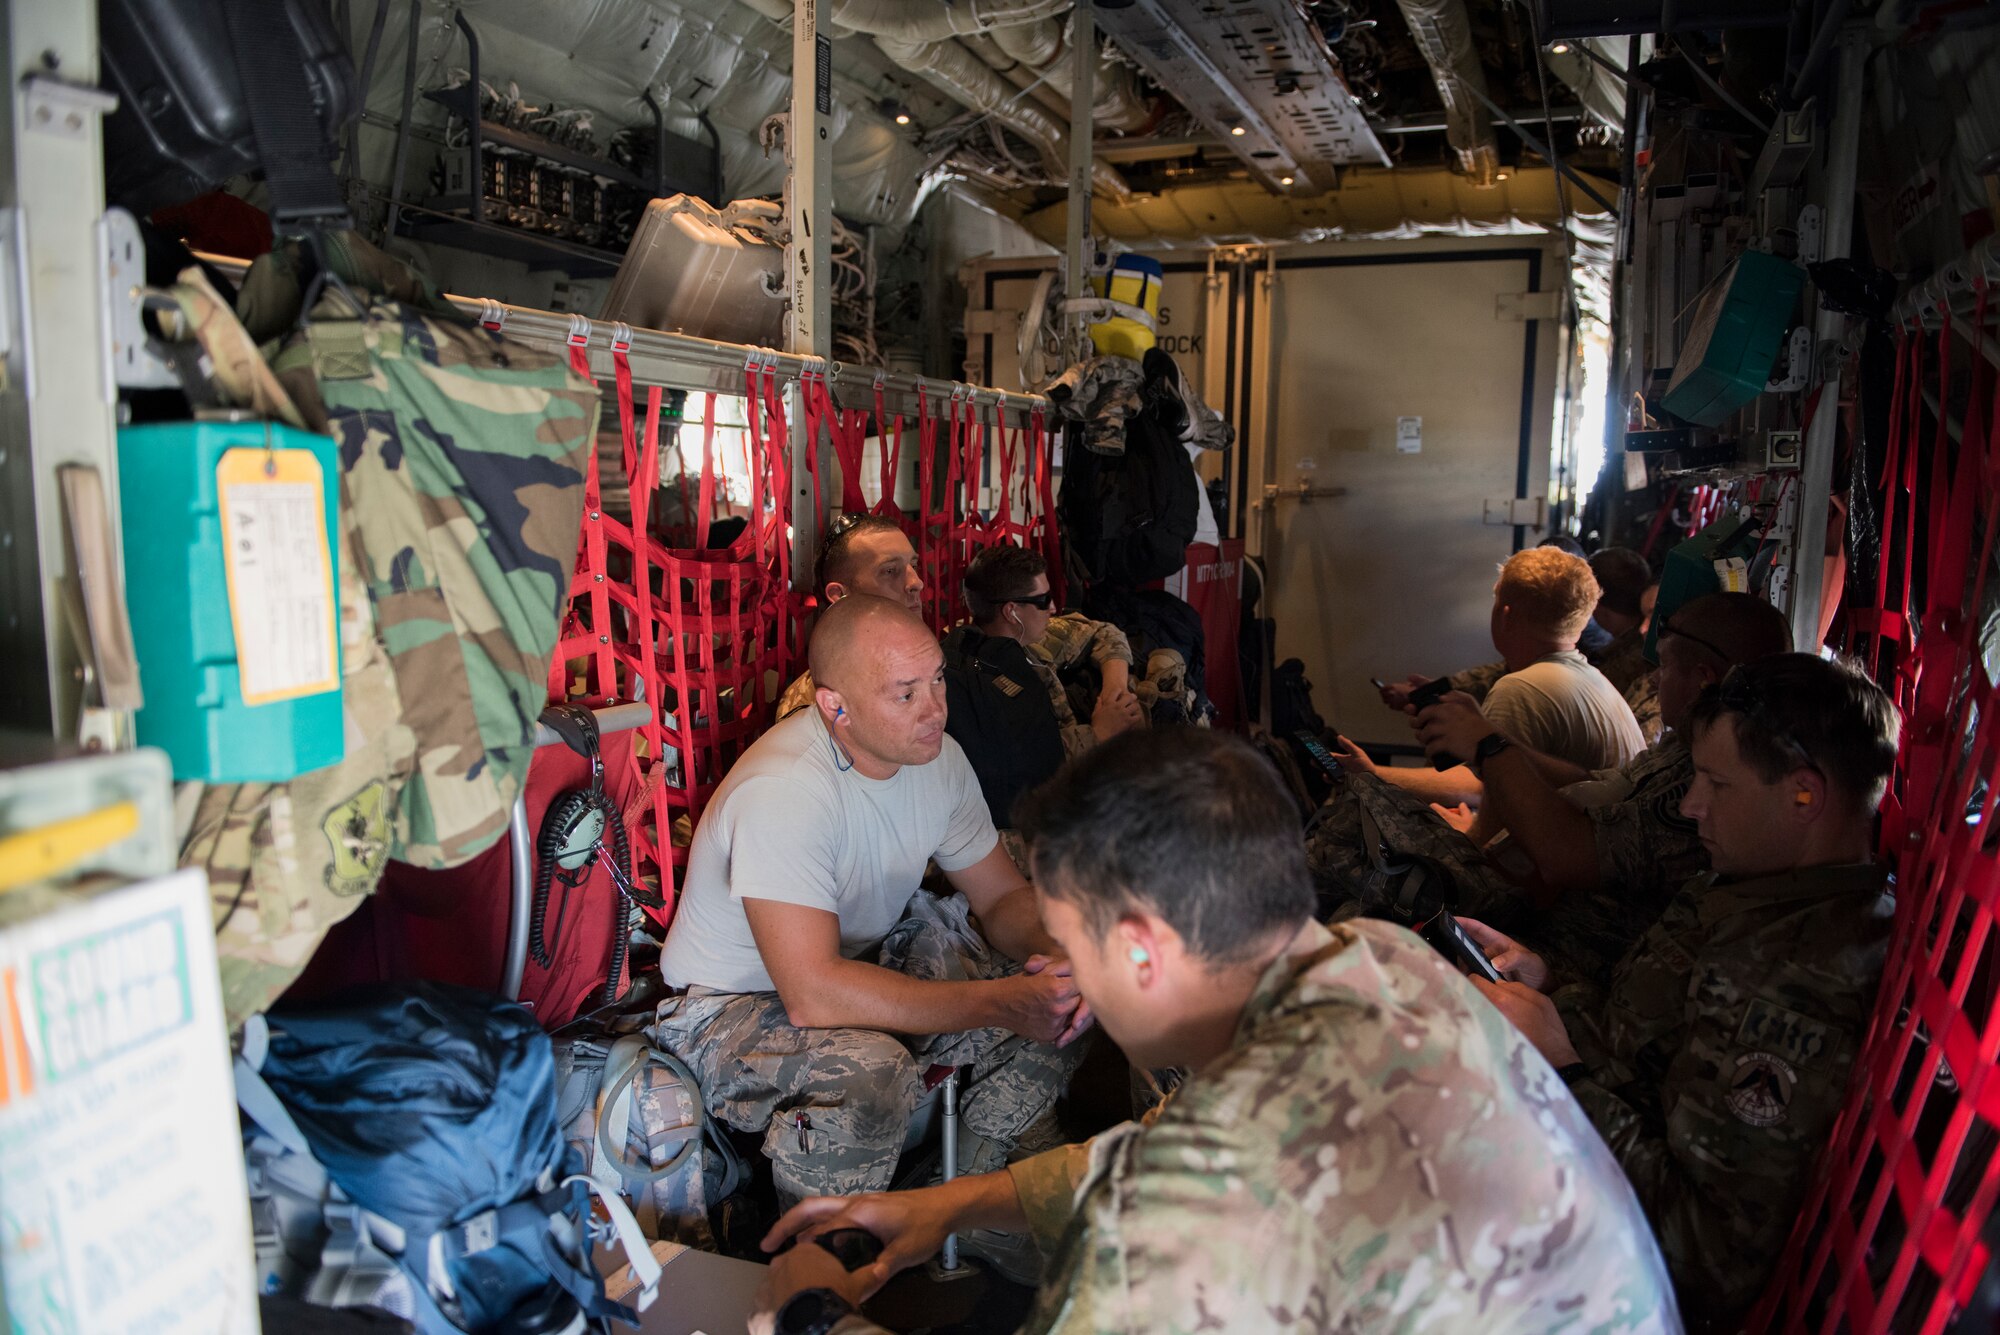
<point x="931" y="21"/>
<point x="1013" y="71"/>
<point x="1443" y="33"/>
<point x="963" y="77"/>
<point x="1042" y="48"/>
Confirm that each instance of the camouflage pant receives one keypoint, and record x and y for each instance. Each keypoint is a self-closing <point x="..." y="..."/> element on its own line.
<point x="835" y="1104"/>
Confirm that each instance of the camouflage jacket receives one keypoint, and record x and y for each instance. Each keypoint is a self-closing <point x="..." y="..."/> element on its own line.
<point x="1646" y="850"/>
<point x="1719" y="1059"/>
<point x="1068" y="638"/>
<point x="1378" y="1151"/>
<point x="1624" y="661"/>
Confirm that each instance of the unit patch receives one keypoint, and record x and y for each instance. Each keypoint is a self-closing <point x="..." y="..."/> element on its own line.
<point x="1760" y="1090"/>
<point x="1007" y="686"/>
<point x="358" y="832"/>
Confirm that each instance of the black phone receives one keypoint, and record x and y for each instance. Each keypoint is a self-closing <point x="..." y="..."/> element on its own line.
<point x="1317" y="750"/>
<point x="1448" y="938"/>
<point x="1422" y="698"/>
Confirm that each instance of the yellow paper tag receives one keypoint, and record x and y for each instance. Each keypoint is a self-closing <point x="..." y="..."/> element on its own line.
<point x="282" y="605"/>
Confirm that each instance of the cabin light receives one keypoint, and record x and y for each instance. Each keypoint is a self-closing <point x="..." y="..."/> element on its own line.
<point x="1238" y="131"/>
<point x="1284" y="180"/>
<point x="1501" y="176"/>
<point x="902" y="118"/>
<point x="1559" y="49"/>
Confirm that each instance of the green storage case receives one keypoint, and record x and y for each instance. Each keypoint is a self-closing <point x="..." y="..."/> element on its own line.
<point x="178" y="587"/>
<point x="1734" y="340"/>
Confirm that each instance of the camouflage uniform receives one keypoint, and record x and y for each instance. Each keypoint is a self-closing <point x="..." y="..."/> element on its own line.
<point x="1068" y="638"/>
<point x="461" y="499"/>
<point x="1643" y="695"/>
<point x="1477" y="681"/>
<point x="1646" y="850"/>
<point x="1379" y="1150"/>
<point x="835" y="1104"/>
<point x="1719" y="1059"/>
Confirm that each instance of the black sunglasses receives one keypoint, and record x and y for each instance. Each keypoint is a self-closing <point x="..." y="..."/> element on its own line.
<point x="1041" y="601"/>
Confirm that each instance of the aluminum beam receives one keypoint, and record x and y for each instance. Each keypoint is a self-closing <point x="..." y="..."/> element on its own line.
<point x="57" y="400"/>
<point x="1836" y="196"/>
<point x="1083" y="52"/>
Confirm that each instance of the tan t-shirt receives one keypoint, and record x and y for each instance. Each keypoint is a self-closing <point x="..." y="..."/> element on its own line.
<point x="1563" y="707"/>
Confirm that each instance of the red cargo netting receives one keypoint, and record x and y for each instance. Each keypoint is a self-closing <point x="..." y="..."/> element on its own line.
<point x="1895" y="1233"/>
<point x="708" y="636"/>
<point x="711" y="635"/>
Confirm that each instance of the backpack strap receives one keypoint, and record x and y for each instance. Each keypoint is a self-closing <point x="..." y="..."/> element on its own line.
<point x="629" y="1058"/>
<point x="255" y="1097"/>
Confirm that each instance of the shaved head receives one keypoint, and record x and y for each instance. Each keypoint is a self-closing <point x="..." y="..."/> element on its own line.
<point x="857" y="634"/>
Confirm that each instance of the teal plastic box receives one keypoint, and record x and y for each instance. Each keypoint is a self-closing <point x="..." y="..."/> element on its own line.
<point x="177" y="585"/>
<point x="1738" y="328"/>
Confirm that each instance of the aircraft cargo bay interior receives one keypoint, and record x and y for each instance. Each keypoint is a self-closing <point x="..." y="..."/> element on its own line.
<point x="809" y="667"/>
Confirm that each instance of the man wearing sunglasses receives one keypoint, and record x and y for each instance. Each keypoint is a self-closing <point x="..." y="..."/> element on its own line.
<point x="1716" y="1059"/>
<point x="1009" y="706"/>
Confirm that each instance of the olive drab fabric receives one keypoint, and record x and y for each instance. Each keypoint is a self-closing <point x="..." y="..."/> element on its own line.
<point x="1380" y="851"/>
<point x="1719" y="1058"/>
<point x="462" y="454"/>
<point x="460" y="502"/>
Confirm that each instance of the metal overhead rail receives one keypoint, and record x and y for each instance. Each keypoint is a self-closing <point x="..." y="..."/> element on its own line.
<point x="681" y="361"/>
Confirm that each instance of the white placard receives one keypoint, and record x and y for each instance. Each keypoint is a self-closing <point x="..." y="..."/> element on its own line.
<point x="1409" y="435"/>
<point x="122" y="1201"/>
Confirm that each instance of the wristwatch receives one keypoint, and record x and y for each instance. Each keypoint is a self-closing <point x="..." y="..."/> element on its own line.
<point x="1491" y="745"/>
<point x="812" y="1312"/>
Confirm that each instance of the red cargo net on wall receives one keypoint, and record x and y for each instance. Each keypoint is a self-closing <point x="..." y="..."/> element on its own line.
<point x="980" y="457"/>
<point x="707" y="636"/>
<point x="1896" y="1234"/>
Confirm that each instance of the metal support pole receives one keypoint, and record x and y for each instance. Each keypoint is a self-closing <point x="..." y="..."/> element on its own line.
<point x="808" y="259"/>
<point x="1083" y="93"/>
<point x="949" y="1256"/>
<point x="1262" y="419"/>
<point x="1836" y="195"/>
<point x="56" y="387"/>
<point x="809" y="255"/>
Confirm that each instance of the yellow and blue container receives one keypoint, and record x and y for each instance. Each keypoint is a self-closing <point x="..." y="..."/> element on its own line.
<point x="1134" y="280"/>
<point x="232" y="575"/>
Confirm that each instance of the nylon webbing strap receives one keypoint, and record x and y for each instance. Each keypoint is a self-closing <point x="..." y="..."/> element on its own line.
<point x="291" y="143"/>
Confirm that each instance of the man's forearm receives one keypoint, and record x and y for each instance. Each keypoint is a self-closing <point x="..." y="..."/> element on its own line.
<point x="1560" y="839"/>
<point x="848" y="994"/>
<point x="1014" y="927"/>
<point x="1450" y="787"/>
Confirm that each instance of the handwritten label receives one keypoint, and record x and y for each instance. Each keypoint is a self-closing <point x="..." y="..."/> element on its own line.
<point x="281" y="597"/>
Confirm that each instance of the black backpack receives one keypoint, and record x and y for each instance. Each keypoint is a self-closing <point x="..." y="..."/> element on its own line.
<point x="1127" y="519"/>
<point x="1000" y="714"/>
